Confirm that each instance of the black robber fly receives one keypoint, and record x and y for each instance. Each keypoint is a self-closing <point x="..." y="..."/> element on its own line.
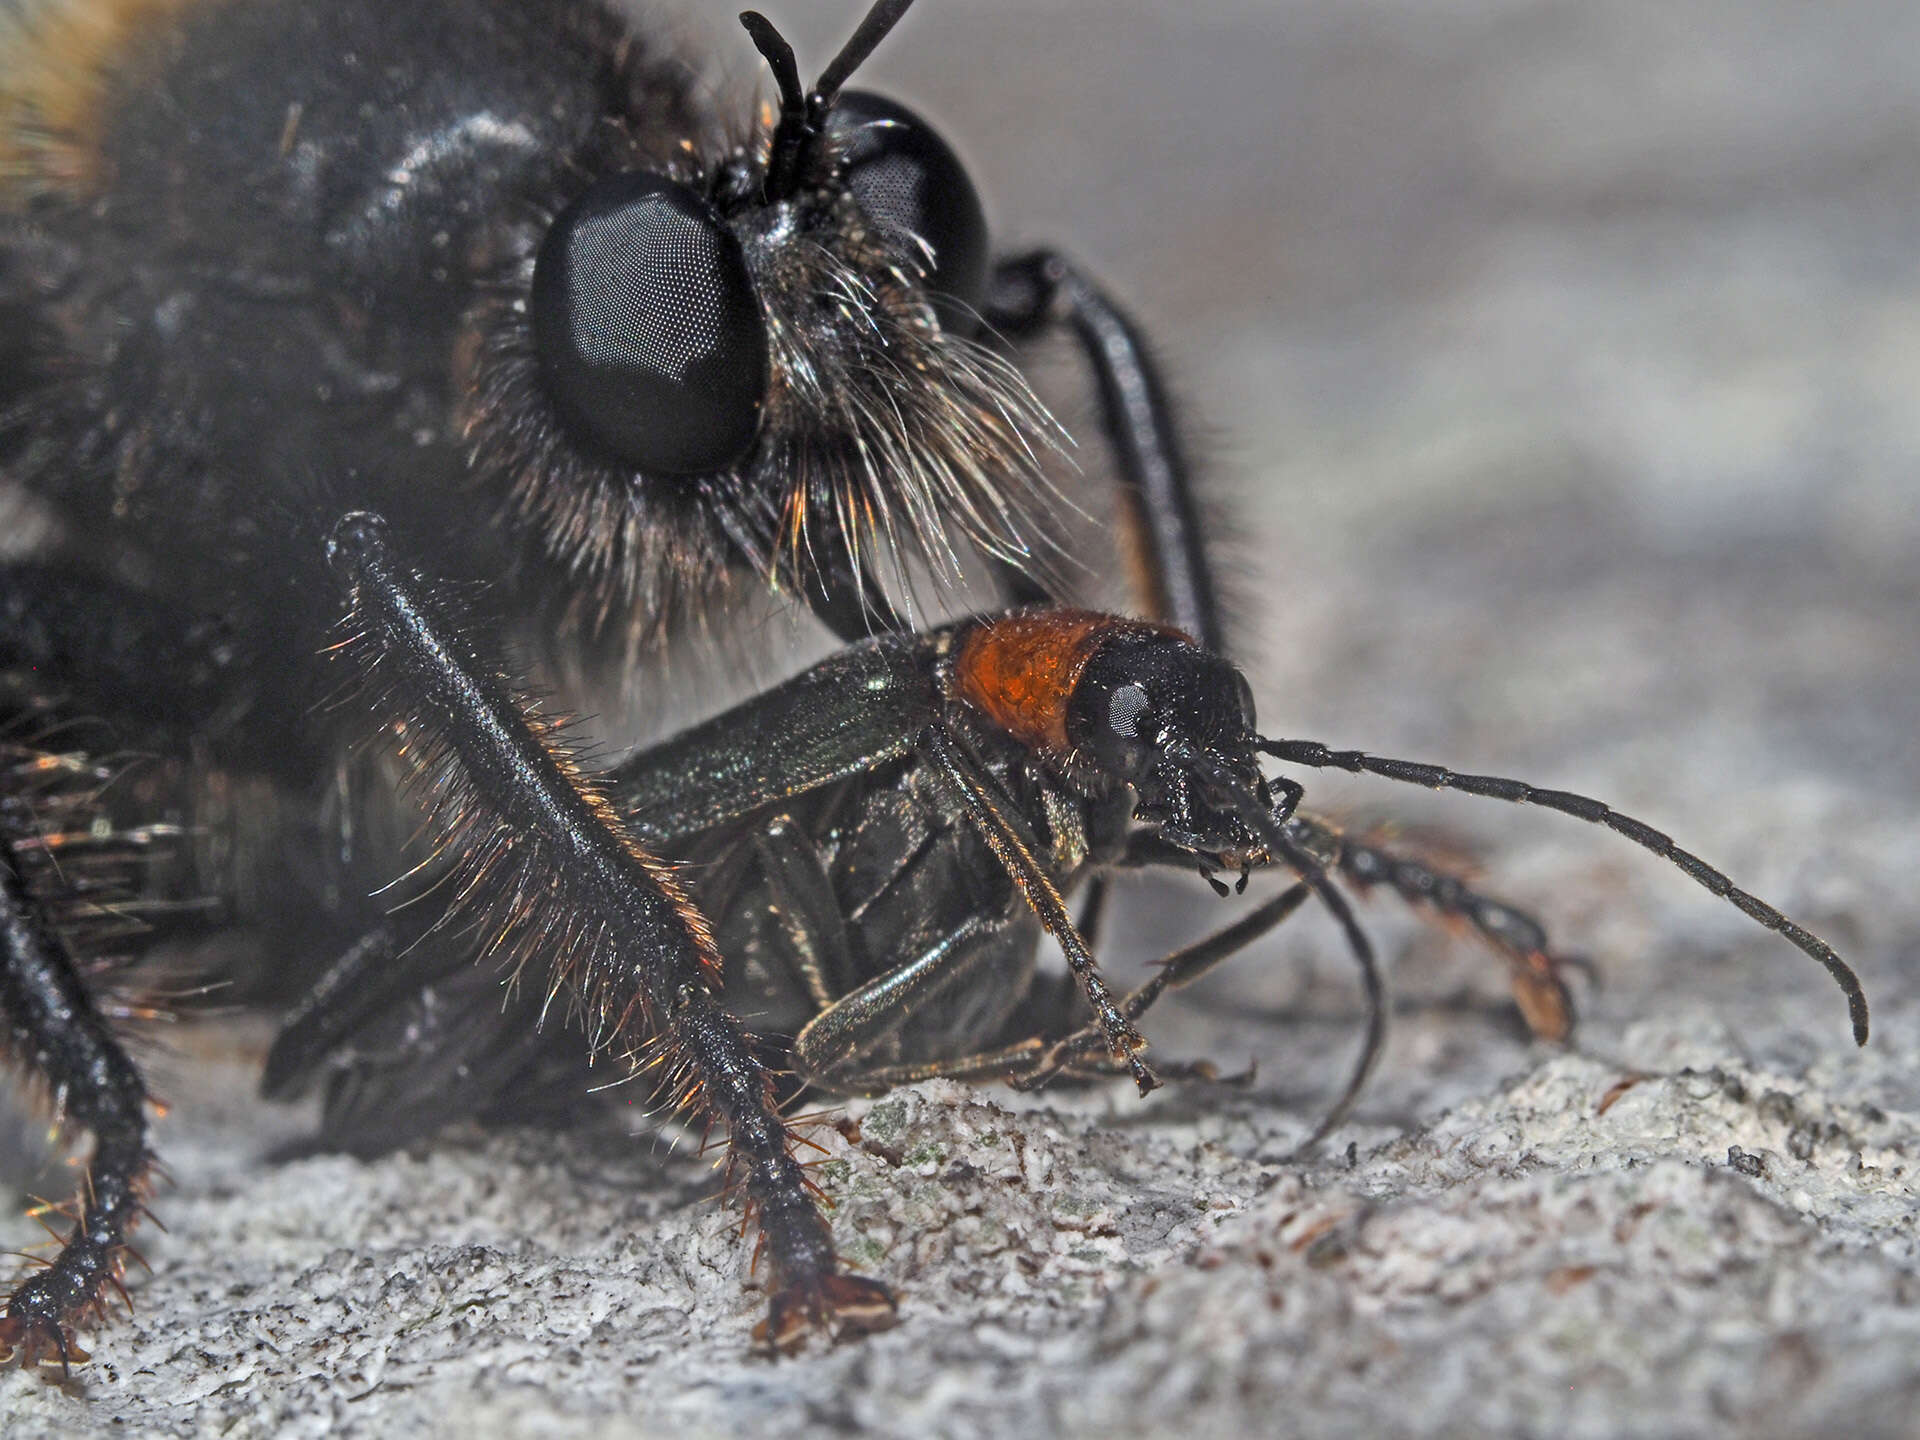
<point x="502" y="271"/>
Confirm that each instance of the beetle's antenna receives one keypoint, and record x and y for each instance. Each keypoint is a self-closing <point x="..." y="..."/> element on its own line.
<point x="803" y="114"/>
<point x="1271" y="829"/>
<point x="1518" y="792"/>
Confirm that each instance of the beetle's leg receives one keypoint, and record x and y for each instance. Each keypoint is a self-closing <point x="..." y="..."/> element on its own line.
<point x="1172" y="575"/>
<point x="817" y="951"/>
<point x="1534" y="970"/>
<point x="1011" y="1064"/>
<point x="813" y="947"/>
<point x="639" y="954"/>
<point x="1032" y="1062"/>
<point x="58" y="1036"/>
<point x="857" y="1021"/>
<point x="828" y="1049"/>
<point x="998" y="1064"/>
<point x="969" y="787"/>
<point x="1083" y="1048"/>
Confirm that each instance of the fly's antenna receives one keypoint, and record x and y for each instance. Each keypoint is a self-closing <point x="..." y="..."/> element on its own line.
<point x="803" y="114"/>
<point x="866" y="37"/>
<point x="1271" y="828"/>
<point x="1517" y="792"/>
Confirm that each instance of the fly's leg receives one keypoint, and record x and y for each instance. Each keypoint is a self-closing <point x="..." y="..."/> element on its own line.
<point x="56" y="1034"/>
<point x="75" y="885"/>
<point x="556" y="872"/>
<point x="72" y="884"/>
<point x="1166" y="546"/>
<point x="1162" y="537"/>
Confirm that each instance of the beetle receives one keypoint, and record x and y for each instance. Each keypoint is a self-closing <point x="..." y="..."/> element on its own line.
<point x="878" y="875"/>
<point x="495" y="270"/>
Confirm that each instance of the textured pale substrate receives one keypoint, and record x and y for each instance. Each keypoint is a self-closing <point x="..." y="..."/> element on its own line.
<point x="1695" y="1243"/>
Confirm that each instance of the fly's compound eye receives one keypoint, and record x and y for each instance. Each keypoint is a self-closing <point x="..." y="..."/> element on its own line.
<point x="649" y="334"/>
<point x="914" y="188"/>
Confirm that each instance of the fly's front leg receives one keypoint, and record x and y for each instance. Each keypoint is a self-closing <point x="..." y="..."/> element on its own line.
<point x="553" y="870"/>
<point x="1165" y="542"/>
<point x="1162" y="536"/>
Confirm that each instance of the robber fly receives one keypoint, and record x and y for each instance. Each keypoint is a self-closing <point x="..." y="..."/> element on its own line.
<point x="495" y="269"/>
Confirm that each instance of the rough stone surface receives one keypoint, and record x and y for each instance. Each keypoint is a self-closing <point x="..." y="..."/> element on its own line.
<point x="1565" y="361"/>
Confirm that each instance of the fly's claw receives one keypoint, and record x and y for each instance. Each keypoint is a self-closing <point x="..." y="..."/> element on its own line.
<point x="31" y="1335"/>
<point x="842" y="1306"/>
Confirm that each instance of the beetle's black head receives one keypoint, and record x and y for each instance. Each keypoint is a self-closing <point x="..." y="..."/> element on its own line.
<point x="1175" y="722"/>
<point x="762" y="352"/>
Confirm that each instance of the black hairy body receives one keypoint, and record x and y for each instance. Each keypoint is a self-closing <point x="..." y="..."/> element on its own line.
<point x="264" y="303"/>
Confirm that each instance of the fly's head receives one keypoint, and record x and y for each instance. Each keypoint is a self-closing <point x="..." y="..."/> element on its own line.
<point x="762" y="353"/>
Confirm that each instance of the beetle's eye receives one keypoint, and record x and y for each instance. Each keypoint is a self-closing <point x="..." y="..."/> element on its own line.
<point x="649" y="335"/>
<point x="913" y="186"/>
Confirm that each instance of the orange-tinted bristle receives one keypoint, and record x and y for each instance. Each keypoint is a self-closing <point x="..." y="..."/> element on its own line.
<point x="60" y="62"/>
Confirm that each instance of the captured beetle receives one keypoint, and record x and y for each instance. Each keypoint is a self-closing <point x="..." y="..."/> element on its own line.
<point x="879" y="842"/>
<point x="492" y="268"/>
